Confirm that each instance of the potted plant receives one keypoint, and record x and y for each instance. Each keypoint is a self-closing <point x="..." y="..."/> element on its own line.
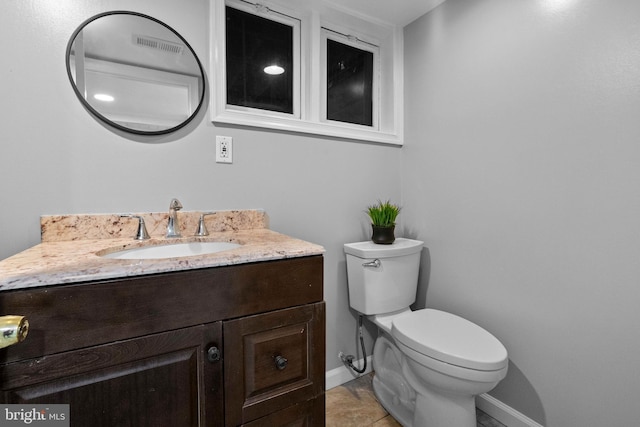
<point x="383" y="221"/>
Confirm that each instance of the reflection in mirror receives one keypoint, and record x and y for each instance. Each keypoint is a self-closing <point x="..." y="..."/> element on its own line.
<point x="135" y="73"/>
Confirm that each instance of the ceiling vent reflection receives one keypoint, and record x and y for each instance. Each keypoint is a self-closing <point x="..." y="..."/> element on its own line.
<point x="158" y="44"/>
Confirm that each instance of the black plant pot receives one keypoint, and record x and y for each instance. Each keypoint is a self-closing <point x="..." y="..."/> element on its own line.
<point x="383" y="235"/>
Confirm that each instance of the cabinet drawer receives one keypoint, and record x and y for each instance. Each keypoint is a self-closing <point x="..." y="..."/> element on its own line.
<point x="273" y="361"/>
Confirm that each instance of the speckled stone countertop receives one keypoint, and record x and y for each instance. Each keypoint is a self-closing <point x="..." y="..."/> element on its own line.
<point x="72" y="244"/>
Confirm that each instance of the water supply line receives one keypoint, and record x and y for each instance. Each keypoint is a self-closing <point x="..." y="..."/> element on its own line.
<point x="348" y="359"/>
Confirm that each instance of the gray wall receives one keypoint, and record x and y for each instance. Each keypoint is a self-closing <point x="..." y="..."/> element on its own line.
<point x="521" y="171"/>
<point x="56" y="158"/>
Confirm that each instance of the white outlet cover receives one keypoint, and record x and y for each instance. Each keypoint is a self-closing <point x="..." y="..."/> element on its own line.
<point x="224" y="149"/>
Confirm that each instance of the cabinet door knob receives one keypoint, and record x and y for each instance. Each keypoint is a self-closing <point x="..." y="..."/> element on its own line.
<point x="13" y="329"/>
<point x="281" y="362"/>
<point x="213" y="354"/>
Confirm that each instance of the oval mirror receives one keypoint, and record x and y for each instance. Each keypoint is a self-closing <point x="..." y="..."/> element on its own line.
<point x="135" y="73"/>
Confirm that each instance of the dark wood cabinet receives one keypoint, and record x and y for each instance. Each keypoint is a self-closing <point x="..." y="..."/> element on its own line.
<point x="149" y="381"/>
<point x="271" y="362"/>
<point x="226" y="346"/>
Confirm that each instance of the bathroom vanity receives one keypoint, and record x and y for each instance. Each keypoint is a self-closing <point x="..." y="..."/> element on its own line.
<point x="227" y="339"/>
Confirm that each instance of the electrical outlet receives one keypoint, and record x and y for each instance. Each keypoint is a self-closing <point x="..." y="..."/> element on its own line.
<point x="224" y="149"/>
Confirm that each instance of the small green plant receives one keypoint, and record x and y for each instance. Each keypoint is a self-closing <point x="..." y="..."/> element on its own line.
<point x="383" y="214"/>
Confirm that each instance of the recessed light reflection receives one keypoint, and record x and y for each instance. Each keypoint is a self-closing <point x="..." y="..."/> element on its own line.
<point x="274" y="70"/>
<point x="103" y="97"/>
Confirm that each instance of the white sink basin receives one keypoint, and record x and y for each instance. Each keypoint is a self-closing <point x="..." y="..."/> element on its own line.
<point x="174" y="250"/>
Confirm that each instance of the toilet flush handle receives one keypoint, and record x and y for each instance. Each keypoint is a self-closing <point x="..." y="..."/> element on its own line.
<point x="375" y="263"/>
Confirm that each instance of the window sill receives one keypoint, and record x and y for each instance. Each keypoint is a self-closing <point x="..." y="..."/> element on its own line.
<point x="298" y="126"/>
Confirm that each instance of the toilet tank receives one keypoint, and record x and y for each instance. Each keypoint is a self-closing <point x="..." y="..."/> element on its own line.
<point x="382" y="278"/>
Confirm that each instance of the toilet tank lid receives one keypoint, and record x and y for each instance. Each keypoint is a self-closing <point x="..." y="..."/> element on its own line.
<point x="399" y="247"/>
<point x="451" y="339"/>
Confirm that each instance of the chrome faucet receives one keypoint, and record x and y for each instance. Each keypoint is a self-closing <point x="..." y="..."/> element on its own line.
<point x="173" y="227"/>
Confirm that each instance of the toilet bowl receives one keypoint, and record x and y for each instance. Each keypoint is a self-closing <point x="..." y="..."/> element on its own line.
<point x="429" y="365"/>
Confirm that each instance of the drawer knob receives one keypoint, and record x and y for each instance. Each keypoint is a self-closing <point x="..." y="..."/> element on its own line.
<point x="13" y="329"/>
<point x="213" y="354"/>
<point x="281" y="362"/>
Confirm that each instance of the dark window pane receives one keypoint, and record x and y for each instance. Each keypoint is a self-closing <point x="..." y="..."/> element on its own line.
<point x="254" y="43"/>
<point x="349" y="84"/>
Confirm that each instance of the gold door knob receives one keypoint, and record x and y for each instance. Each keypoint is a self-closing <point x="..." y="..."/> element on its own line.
<point x="13" y="329"/>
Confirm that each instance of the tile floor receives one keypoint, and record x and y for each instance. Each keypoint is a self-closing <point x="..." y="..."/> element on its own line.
<point x="354" y="405"/>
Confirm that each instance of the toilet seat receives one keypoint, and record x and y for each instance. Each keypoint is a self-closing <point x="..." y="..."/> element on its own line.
<point x="451" y="339"/>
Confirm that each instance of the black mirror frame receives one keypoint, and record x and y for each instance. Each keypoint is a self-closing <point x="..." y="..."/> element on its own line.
<point x="96" y="113"/>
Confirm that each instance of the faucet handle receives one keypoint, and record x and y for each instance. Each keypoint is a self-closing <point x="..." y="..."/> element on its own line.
<point x="175" y="204"/>
<point x="202" y="229"/>
<point x="141" y="234"/>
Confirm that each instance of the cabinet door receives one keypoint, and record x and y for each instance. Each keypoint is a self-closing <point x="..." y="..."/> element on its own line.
<point x="273" y="361"/>
<point x="164" y="379"/>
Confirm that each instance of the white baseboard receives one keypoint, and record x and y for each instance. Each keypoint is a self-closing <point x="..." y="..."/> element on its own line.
<point x="503" y="413"/>
<point x="485" y="402"/>
<point x="343" y="374"/>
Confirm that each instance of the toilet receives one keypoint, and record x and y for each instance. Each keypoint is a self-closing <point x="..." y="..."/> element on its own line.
<point x="429" y="364"/>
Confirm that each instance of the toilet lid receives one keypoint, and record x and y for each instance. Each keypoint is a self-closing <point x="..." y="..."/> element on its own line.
<point x="451" y="339"/>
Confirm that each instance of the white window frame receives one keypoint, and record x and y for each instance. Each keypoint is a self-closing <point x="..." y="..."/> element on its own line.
<point x="283" y="18"/>
<point x="313" y="16"/>
<point x="361" y="43"/>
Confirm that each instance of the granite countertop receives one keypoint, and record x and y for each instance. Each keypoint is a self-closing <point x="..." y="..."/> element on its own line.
<point x="72" y="244"/>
